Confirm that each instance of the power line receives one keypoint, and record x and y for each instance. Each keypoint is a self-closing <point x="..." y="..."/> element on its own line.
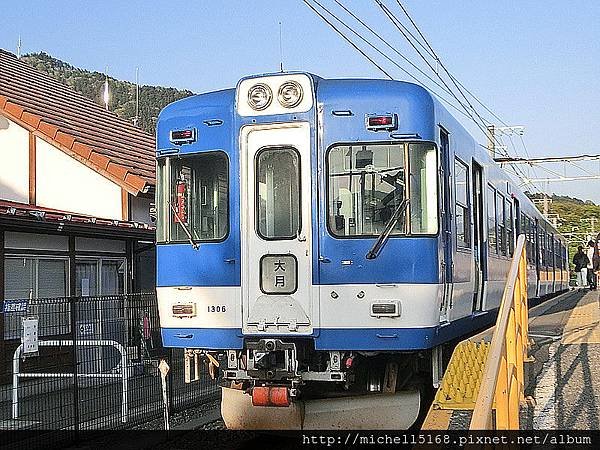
<point x="395" y="63"/>
<point x="546" y="159"/>
<point x="348" y="40"/>
<point x="437" y="58"/>
<point x="422" y="72"/>
<point x="481" y="124"/>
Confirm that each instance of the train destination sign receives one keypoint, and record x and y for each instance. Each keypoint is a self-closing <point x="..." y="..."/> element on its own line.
<point x="278" y="274"/>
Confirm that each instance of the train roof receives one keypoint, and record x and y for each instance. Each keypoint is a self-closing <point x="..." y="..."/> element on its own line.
<point x="350" y="91"/>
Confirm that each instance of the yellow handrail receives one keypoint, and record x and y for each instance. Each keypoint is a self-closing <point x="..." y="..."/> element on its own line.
<point x="503" y="381"/>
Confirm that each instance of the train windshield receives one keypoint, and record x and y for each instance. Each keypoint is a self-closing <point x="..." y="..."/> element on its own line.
<point x="193" y="193"/>
<point x="367" y="183"/>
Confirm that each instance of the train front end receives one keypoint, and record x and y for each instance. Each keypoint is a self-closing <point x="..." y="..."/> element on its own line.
<point x="298" y="247"/>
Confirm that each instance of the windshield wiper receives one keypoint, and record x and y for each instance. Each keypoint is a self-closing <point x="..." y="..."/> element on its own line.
<point x="385" y="234"/>
<point x="194" y="245"/>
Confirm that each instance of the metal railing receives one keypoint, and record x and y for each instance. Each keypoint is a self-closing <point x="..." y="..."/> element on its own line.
<point x="502" y="384"/>
<point x="79" y="385"/>
<point x="123" y="369"/>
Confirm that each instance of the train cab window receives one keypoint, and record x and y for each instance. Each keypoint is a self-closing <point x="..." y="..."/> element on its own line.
<point x="278" y="193"/>
<point x="423" y="174"/>
<point x="461" y="211"/>
<point x="367" y="183"/>
<point x="193" y="192"/>
<point x="491" y="213"/>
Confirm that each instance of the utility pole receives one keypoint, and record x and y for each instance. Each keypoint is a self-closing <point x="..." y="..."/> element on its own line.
<point x="136" y="119"/>
<point x="19" y="48"/>
<point x="546" y="204"/>
<point x="492" y="140"/>
<point x="106" y="95"/>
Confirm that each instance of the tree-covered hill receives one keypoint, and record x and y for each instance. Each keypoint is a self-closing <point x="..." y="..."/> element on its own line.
<point x="122" y="93"/>
<point x="575" y="218"/>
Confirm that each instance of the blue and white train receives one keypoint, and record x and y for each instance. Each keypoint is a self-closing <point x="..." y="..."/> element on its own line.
<point x="324" y="239"/>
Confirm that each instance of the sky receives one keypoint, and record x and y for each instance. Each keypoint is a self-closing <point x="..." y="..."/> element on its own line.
<point x="534" y="63"/>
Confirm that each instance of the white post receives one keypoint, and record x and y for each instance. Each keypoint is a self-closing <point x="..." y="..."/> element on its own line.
<point x="15" y="388"/>
<point x="125" y="375"/>
<point x="164" y="370"/>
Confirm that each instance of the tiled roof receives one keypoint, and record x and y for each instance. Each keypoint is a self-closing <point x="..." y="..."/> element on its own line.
<point x="77" y="125"/>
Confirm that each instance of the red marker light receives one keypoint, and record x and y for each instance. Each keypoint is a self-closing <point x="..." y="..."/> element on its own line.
<point x="380" y="120"/>
<point x="183" y="136"/>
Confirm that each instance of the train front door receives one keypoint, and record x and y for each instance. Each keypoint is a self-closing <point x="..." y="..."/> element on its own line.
<point x="479" y="250"/>
<point x="276" y="238"/>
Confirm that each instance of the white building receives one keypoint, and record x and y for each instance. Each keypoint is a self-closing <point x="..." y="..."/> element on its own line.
<point x="76" y="186"/>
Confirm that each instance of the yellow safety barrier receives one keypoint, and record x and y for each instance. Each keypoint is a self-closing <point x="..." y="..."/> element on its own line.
<point x="482" y="376"/>
<point x="503" y="381"/>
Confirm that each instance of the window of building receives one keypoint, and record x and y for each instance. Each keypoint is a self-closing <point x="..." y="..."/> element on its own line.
<point x="193" y="196"/>
<point x="461" y="211"/>
<point x="33" y="277"/>
<point x="95" y="276"/>
<point x="278" y="193"/>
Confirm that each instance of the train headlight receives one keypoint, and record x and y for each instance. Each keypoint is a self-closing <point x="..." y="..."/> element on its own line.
<point x="260" y="96"/>
<point x="290" y="94"/>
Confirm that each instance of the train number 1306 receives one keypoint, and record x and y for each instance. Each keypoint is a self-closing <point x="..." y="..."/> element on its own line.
<point x="216" y="308"/>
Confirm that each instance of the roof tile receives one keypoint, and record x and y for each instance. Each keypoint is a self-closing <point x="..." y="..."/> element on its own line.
<point x="117" y="170"/>
<point x="100" y="160"/>
<point x="64" y="139"/>
<point x="13" y="109"/>
<point x="47" y="129"/>
<point x="82" y="149"/>
<point x="31" y="119"/>
<point x="134" y="181"/>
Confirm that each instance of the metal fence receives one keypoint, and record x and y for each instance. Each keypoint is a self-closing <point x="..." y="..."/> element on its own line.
<point x="96" y="366"/>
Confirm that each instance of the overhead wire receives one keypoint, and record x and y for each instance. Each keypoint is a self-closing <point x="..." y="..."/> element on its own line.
<point x="395" y="63"/>
<point x="465" y="111"/>
<point x="459" y="85"/>
<point x="391" y="16"/>
<point x="358" y="49"/>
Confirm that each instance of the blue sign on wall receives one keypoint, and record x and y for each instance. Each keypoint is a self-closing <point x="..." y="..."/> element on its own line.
<point x="14" y="306"/>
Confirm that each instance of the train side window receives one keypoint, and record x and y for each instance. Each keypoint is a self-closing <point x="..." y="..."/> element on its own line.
<point x="509" y="221"/>
<point x="462" y="212"/>
<point x="500" y="216"/>
<point x="491" y="213"/>
<point x="543" y="246"/>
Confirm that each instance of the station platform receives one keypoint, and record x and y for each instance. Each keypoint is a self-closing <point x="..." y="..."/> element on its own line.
<point x="562" y="376"/>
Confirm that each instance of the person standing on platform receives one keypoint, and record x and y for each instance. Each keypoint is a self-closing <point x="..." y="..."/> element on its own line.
<point x="591" y="275"/>
<point x="581" y="262"/>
